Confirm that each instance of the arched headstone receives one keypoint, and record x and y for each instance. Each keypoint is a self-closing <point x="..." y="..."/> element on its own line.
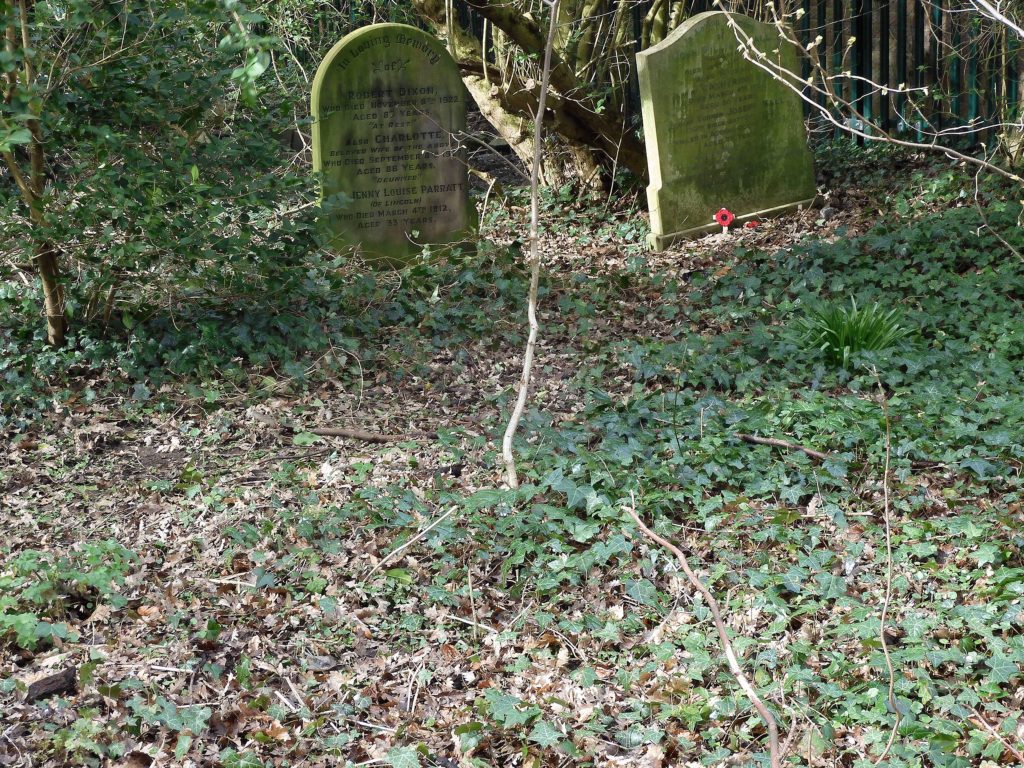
<point x="387" y="103"/>
<point x="720" y="132"/>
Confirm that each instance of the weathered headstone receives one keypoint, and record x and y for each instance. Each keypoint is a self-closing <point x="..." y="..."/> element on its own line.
<point x="720" y="132"/>
<point x="387" y="101"/>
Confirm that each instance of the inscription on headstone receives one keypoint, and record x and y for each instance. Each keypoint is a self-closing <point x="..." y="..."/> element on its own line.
<point x="387" y="100"/>
<point x="720" y="132"/>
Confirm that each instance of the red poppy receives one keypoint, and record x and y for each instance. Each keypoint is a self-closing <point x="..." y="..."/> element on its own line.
<point x="752" y="225"/>
<point x="724" y="217"/>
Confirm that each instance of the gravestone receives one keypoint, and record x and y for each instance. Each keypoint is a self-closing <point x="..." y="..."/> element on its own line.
<point x="720" y="132"/>
<point x="386" y="102"/>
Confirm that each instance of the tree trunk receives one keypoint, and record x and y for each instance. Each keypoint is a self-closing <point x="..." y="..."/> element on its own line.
<point x="512" y="128"/>
<point x="31" y="184"/>
<point x="575" y="115"/>
<point x="53" y="294"/>
<point x="589" y="132"/>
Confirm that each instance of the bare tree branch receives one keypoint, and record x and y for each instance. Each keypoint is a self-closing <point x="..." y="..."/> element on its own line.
<point x="806" y="89"/>
<point x="531" y="343"/>
<point x="774" y="747"/>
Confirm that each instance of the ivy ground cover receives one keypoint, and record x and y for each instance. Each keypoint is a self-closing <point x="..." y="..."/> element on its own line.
<point x="232" y="589"/>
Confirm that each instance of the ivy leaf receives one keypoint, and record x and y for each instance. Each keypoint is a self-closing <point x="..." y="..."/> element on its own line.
<point x="305" y="438"/>
<point x="641" y="590"/>
<point x="488" y="497"/>
<point x="470" y="735"/>
<point x="140" y="392"/>
<point x="609" y="633"/>
<point x="585" y="530"/>
<point x="915" y="625"/>
<point x="183" y="746"/>
<point x="545" y="734"/>
<point x="923" y="549"/>
<point x="832" y="586"/>
<point x="1003" y="668"/>
<point x="835" y="467"/>
<point x="506" y="710"/>
<point x="577" y="495"/>
<point x="986" y="553"/>
<point x="403" y="757"/>
<point x="980" y="467"/>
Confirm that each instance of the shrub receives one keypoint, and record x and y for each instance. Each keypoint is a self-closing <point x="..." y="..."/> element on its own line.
<point x="40" y="591"/>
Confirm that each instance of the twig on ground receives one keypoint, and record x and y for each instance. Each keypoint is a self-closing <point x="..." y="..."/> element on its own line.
<point x="298" y="696"/>
<point x="984" y="216"/>
<point x="754" y="439"/>
<point x="371" y="726"/>
<point x="472" y="602"/>
<point x="59" y="683"/>
<point x="723" y="635"/>
<point x="483" y="207"/>
<point x="370" y="437"/>
<point x="472" y="623"/>
<point x="233" y="583"/>
<point x="351" y="433"/>
<point x="888" y="574"/>
<point x="409" y="543"/>
<point x="792" y="734"/>
<point x="979" y="719"/>
<point x="409" y="705"/>
<point x="286" y="701"/>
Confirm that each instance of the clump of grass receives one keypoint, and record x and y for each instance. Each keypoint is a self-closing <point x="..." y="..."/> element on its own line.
<point x="840" y="331"/>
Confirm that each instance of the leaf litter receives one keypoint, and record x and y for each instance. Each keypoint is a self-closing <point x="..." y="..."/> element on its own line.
<point x="274" y="606"/>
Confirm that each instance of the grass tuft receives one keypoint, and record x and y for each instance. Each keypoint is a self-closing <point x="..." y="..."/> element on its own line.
<point x="840" y="331"/>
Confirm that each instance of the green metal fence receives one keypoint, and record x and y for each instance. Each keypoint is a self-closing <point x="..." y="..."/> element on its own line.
<point x="970" y="68"/>
<point x="872" y="51"/>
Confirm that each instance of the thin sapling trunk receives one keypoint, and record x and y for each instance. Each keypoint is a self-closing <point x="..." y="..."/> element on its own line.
<point x="511" y="477"/>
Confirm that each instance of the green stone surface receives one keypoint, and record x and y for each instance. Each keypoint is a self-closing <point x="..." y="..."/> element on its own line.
<point x="720" y="132"/>
<point x="386" y="102"/>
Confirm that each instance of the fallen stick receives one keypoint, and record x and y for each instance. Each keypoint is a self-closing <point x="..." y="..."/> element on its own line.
<point x="775" y="750"/>
<point x="781" y="444"/>
<point x="978" y="719"/>
<point x="65" y="681"/>
<point x="350" y="433"/>
<point x="368" y="437"/>
<point x="410" y="542"/>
